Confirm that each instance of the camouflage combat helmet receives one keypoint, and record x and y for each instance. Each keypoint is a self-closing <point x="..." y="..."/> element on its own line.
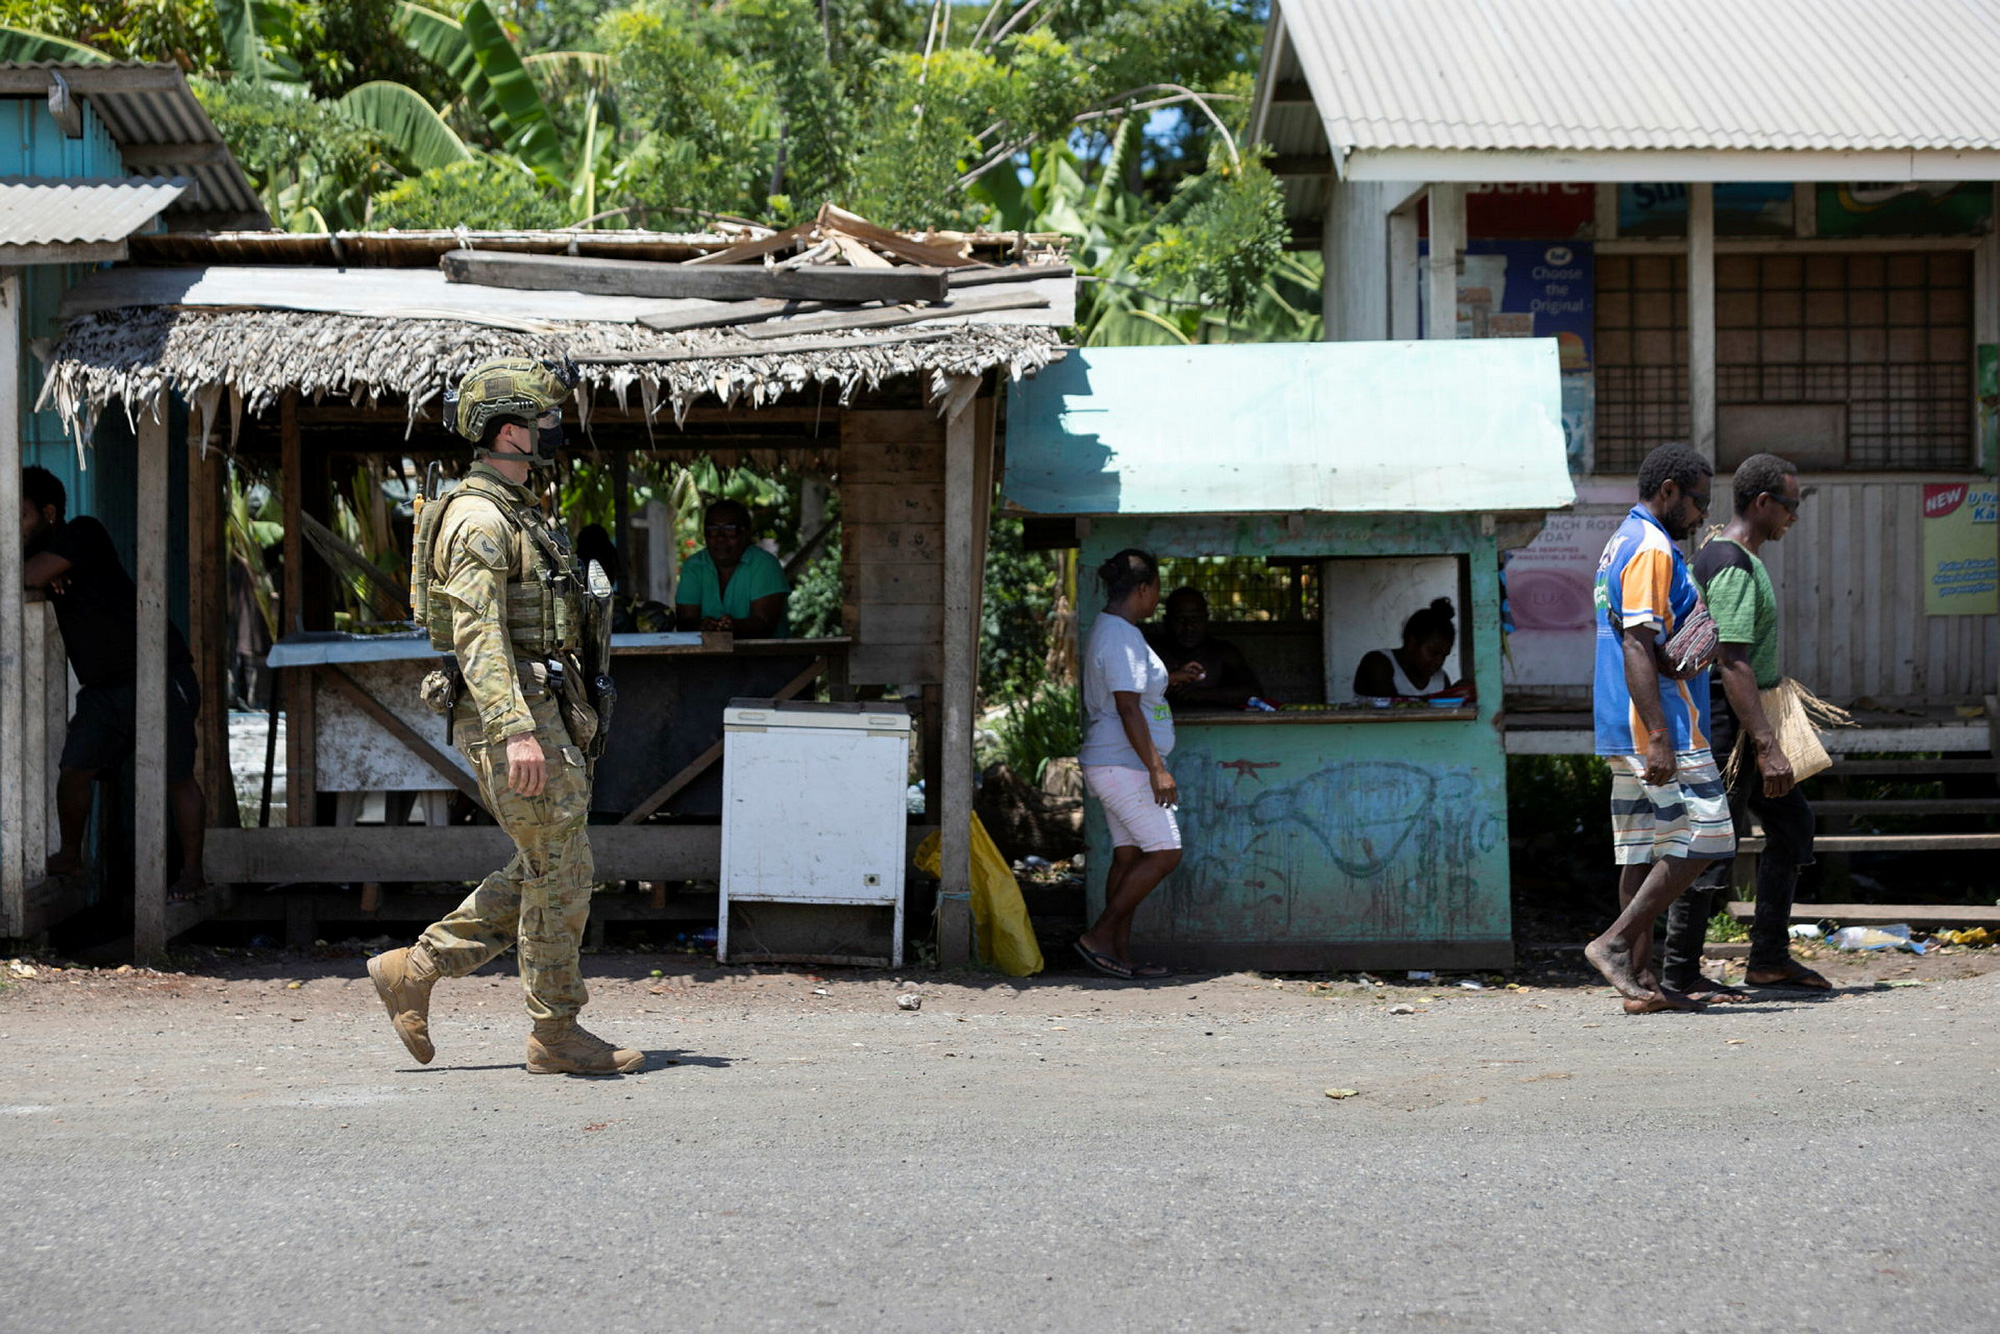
<point x="516" y="389"/>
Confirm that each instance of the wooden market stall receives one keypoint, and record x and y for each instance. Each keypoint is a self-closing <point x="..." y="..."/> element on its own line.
<point x="854" y="353"/>
<point x="1331" y="833"/>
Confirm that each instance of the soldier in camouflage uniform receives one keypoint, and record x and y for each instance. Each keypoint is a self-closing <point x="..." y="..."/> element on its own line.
<point x="494" y="581"/>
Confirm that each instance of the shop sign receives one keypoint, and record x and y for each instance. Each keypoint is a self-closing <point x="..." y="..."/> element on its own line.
<point x="1527" y="289"/>
<point x="1961" y="549"/>
<point x="1742" y="208"/>
<point x="1905" y="208"/>
<point x="1551" y="590"/>
<point x="1550" y="210"/>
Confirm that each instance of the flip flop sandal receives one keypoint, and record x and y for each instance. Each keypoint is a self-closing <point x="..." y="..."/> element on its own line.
<point x="1152" y="970"/>
<point x="1708" y="991"/>
<point x="1798" y="977"/>
<point x="1104" y="963"/>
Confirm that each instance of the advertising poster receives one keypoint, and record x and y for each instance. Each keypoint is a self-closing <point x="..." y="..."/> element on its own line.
<point x="1742" y="208"/>
<point x="1550" y="591"/>
<point x="1905" y="208"/>
<point x="1535" y="289"/>
<point x="1961" y="549"/>
<point x="1550" y="210"/>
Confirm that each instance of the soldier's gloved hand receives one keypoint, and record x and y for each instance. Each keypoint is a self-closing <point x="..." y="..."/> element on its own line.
<point x="527" y="767"/>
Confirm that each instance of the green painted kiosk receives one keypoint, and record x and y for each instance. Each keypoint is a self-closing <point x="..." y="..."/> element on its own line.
<point x="1362" y="481"/>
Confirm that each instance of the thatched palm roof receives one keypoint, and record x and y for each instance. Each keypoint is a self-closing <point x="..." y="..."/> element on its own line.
<point x="249" y="359"/>
<point x="237" y="338"/>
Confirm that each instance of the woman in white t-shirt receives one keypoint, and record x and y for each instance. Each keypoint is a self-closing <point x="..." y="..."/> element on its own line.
<point x="1128" y="734"/>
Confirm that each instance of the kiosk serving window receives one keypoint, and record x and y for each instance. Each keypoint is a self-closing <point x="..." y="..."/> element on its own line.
<point x="1367" y="603"/>
<point x="1303" y="625"/>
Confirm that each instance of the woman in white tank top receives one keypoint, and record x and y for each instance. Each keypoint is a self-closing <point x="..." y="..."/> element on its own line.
<point x="1415" y="670"/>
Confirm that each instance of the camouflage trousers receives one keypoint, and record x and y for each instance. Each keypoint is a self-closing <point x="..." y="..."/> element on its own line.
<point x="542" y="897"/>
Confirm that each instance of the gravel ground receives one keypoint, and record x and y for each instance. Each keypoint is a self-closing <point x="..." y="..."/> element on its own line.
<point x="244" y="1146"/>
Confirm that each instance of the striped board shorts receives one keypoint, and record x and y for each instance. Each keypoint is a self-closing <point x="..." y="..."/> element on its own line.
<point x="1688" y="817"/>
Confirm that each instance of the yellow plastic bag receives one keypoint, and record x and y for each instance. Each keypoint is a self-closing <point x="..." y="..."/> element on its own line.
<point x="1001" y="932"/>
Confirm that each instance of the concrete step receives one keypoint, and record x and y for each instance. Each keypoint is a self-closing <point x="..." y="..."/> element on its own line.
<point x="1882" y="914"/>
<point x="1909" y="806"/>
<point x="1888" y="843"/>
<point x="1844" y="768"/>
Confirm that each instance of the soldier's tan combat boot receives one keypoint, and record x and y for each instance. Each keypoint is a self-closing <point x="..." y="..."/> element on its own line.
<point x="403" y="979"/>
<point x="565" y="1047"/>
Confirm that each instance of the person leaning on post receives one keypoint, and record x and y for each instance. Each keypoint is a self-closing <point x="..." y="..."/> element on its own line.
<point x="494" y="580"/>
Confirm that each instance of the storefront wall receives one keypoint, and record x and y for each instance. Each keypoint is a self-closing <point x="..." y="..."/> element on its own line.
<point x="1857" y="333"/>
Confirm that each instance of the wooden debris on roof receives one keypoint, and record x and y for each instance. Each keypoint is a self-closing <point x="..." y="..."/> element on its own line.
<point x="715" y="282"/>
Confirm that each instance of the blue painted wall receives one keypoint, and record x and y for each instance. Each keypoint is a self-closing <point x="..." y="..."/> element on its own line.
<point x="100" y="483"/>
<point x="1328" y="845"/>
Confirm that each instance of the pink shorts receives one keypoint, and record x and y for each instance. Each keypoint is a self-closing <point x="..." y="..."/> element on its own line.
<point x="1136" y="820"/>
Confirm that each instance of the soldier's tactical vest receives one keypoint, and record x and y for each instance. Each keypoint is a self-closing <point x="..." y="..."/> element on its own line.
<point x="544" y="601"/>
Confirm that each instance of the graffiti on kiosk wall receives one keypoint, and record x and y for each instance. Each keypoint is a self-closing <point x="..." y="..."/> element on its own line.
<point x="1333" y="852"/>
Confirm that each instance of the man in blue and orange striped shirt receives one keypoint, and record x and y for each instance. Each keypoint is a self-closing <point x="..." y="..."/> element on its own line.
<point x="1669" y="812"/>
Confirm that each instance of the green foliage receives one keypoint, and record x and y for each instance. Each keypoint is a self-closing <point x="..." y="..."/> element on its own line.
<point x="1231" y="235"/>
<point x="1047" y="725"/>
<point x="698" y="116"/>
<point x="182" y="31"/>
<point x="511" y="104"/>
<point x="552" y="25"/>
<point x="1020" y="592"/>
<point x="400" y="117"/>
<point x="18" y="45"/>
<point x="1723" y="927"/>
<point x="313" y="166"/>
<point x="1558" y="799"/>
<point x="911" y="115"/>
<point x="480" y="192"/>
<point x="814" y="606"/>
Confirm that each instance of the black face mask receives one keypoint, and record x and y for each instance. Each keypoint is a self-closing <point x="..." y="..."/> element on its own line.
<point x="548" y="439"/>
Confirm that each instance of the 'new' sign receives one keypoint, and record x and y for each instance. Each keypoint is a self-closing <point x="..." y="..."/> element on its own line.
<point x="1940" y="500"/>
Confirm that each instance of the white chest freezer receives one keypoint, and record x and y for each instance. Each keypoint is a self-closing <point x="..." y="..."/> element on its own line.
<point x="813" y="813"/>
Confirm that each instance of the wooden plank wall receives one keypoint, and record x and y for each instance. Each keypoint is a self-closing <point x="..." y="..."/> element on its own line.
<point x="1849" y="580"/>
<point x="892" y="545"/>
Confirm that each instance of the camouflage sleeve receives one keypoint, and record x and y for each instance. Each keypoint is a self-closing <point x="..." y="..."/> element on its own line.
<point x="478" y="559"/>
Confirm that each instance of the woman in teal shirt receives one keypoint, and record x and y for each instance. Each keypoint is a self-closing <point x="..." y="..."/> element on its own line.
<point x="732" y="584"/>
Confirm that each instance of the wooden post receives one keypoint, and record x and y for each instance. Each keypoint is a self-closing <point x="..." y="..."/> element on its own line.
<point x="1406" y="276"/>
<point x="301" y="776"/>
<point x="621" y="513"/>
<point x="16" y="766"/>
<point x="961" y="606"/>
<point x="659" y="585"/>
<point x="208" y="619"/>
<point x="1447" y="241"/>
<point x="291" y="463"/>
<point x="149" y="756"/>
<point x="1701" y="318"/>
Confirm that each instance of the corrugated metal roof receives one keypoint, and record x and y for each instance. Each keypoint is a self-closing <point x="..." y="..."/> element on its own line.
<point x="154" y="117"/>
<point x="1467" y="426"/>
<point x="1526" y="75"/>
<point x="39" y="211"/>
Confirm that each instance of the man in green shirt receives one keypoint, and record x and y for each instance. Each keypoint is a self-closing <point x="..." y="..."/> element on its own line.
<point x="1737" y="589"/>
<point x="732" y="584"/>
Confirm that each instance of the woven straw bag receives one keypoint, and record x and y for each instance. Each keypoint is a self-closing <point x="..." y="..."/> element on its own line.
<point x="1796" y="716"/>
